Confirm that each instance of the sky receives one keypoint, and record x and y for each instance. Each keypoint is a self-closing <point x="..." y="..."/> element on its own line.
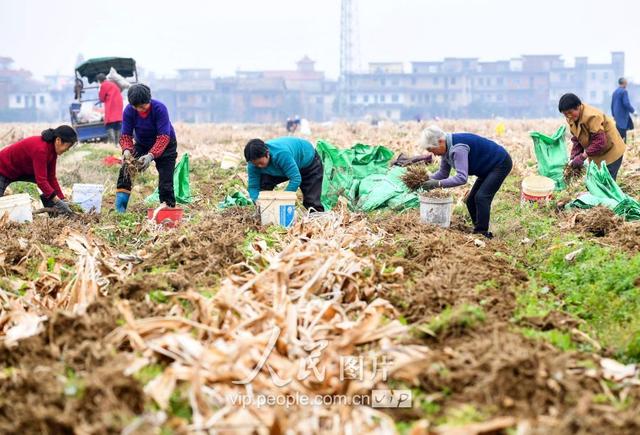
<point x="46" y="36"/>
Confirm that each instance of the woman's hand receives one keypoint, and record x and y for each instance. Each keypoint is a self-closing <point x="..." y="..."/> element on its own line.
<point x="431" y="184"/>
<point x="145" y="161"/>
<point x="62" y="207"/>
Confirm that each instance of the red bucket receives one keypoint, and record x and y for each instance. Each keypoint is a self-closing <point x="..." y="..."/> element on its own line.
<point x="168" y="217"/>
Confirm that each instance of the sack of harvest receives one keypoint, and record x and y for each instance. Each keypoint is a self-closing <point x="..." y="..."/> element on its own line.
<point x="551" y="153"/>
<point x="118" y="79"/>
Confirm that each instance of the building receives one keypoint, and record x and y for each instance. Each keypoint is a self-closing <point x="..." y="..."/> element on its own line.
<point x="529" y="86"/>
<point x="525" y="87"/>
<point x="249" y="96"/>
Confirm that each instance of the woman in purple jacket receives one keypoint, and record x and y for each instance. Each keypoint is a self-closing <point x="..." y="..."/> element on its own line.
<point x="468" y="154"/>
<point x="147" y="135"/>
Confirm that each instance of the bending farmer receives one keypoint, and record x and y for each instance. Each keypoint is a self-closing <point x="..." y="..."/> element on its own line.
<point x="34" y="160"/>
<point x="147" y="135"/>
<point x="594" y="135"/>
<point x="285" y="159"/>
<point x="111" y="96"/>
<point x="468" y="154"/>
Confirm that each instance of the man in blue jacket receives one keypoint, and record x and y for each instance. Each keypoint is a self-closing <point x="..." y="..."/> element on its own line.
<point x="621" y="109"/>
<point x="285" y="159"/>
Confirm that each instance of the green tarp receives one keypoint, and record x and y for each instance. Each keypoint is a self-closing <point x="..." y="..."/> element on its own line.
<point x="603" y="190"/>
<point x="362" y="175"/>
<point x="236" y="199"/>
<point x="551" y="153"/>
<point x="181" y="187"/>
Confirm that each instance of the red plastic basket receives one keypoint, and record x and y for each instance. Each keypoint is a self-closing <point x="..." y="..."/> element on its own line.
<point x="168" y="217"/>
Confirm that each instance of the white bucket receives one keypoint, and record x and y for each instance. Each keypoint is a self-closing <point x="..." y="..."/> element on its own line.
<point x="436" y="211"/>
<point x="277" y="208"/>
<point x="17" y="206"/>
<point x="88" y="196"/>
<point x="230" y="160"/>
<point x="536" y="188"/>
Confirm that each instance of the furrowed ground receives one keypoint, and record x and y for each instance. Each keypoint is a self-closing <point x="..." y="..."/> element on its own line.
<point x="512" y="335"/>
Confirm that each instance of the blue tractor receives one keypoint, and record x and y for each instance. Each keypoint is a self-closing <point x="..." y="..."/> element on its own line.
<point x="90" y="128"/>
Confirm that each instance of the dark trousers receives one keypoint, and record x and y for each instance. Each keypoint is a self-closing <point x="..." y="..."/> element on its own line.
<point x="165" y="164"/>
<point x="4" y="183"/>
<point x="481" y="196"/>
<point x="614" y="168"/>
<point x="113" y="131"/>
<point x="311" y="184"/>
<point x="623" y="133"/>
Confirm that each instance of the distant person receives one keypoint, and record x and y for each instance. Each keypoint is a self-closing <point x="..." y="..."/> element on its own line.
<point x="468" y="154"/>
<point x="293" y="124"/>
<point x="111" y="96"/>
<point x="621" y="109"/>
<point x="594" y="135"/>
<point x="147" y="135"/>
<point x="285" y="159"/>
<point x="34" y="160"/>
<point x="291" y="127"/>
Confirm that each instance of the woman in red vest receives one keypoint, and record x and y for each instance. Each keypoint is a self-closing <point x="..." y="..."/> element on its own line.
<point x="34" y="160"/>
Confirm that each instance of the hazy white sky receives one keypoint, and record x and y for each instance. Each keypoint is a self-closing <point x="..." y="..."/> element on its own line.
<point x="46" y="36"/>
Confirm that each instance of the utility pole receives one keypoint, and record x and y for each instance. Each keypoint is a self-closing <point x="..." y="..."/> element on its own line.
<point x="348" y="51"/>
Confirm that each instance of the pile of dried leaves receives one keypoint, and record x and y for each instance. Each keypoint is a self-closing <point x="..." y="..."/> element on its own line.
<point x="281" y="332"/>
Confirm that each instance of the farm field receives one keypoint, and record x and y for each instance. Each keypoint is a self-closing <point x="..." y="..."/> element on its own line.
<point x="110" y="324"/>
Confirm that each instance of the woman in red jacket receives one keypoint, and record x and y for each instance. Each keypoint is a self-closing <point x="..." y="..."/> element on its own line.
<point x="34" y="160"/>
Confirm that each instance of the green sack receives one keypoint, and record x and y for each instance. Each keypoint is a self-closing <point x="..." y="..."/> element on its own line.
<point x="181" y="188"/>
<point x="344" y="169"/>
<point x="551" y="153"/>
<point x="385" y="190"/>
<point x="236" y="199"/>
<point x="603" y="190"/>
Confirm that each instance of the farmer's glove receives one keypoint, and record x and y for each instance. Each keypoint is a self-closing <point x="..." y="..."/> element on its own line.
<point x="62" y="207"/>
<point x="431" y="184"/>
<point x="145" y="161"/>
<point x="578" y="161"/>
<point x="126" y="155"/>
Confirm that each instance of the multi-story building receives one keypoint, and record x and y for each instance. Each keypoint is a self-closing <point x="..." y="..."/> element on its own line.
<point x="529" y="86"/>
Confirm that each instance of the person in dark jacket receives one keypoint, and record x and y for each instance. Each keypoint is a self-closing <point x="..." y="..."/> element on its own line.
<point x="621" y="109"/>
<point x="34" y="160"/>
<point x="593" y="134"/>
<point x="148" y="136"/>
<point x="468" y="154"/>
<point x="285" y="159"/>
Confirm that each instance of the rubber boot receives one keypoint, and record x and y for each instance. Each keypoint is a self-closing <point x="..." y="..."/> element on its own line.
<point x="122" y="200"/>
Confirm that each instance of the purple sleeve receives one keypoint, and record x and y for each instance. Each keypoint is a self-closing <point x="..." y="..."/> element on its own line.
<point x="163" y="125"/>
<point x="128" y="120"/>
<point x="461" y="159"/>
<point x="597" y="144"/>
<point x="443" y="172"/>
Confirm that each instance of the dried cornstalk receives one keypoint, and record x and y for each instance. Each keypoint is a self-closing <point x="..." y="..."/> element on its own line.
<point x="309" y="303"/>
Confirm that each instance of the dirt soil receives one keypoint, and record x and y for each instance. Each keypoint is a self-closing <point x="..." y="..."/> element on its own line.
<point x="488" y="363"/>
<point x="94" y="396"/>
<point x="449" y="267"/>
<point x="199" y="255"/>
<point x="599" y="221"/>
